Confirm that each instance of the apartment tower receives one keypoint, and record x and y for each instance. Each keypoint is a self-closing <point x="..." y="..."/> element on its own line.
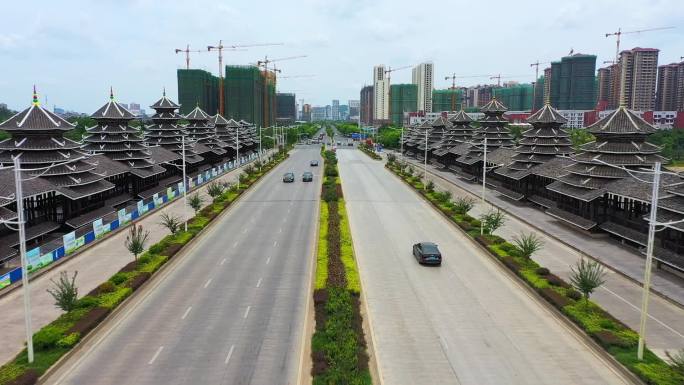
<point x="380" y="95"/>
<point x="423" y="78"/>
<point x="638" y="78"/>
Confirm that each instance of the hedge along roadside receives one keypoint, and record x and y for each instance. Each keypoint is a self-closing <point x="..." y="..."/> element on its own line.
<point x="369" y="151"/>
<point x="338" y="346"/>
<point x="612" y="335"/>
<point x="60" y="336"/>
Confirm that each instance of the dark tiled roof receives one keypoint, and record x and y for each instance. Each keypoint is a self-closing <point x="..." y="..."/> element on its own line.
<point x="218" y="120"/>
<point x="165" y="103"/>
<point x="461" y="118"/>
<point x="197" y="114"/>
<point x="112" y="110"/>
<point x="495" y="106"/>
<point x="161" y="155"/>
<point x="35" y="118"/>
<point x="552" y="168"/>
<point x="621" y="121"/>
<point x="547" y="115"/>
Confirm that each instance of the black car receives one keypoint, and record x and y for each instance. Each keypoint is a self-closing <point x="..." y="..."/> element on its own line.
<point x="288" y="177"/>
<point x="313" y="163"/>
<point x="427" y="253"/>
<point x="307" y="177"/>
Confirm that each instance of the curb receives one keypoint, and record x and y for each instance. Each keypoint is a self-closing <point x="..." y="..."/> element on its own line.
<point x="144" y="291"/>
<point x="580" y="334"/>
<point x="565" y="243"/>
<point x="13" y="287"/>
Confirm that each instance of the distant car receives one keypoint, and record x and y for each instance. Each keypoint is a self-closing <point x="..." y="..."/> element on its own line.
<point x="427" y="253"/>
<point x="313" y="163"/>
<point x="350" y="143"/>
<point x="307" y="176"/>
<point x="339" y="143"/>
<point x="288" y="177"/>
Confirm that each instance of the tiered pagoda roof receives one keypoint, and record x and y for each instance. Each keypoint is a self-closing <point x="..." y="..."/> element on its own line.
<point x="540" y="144"/>
<point x="620" y="141"/>
<point x="419" y="138"/>
<point x="493" y="128"/>
<point x="202" y="132"/>
<point x="246" y="135"/>
<point x="116" y="139"/>
<point x="457" y="133"/>
<point x="37" y="139"/>
<point x="166" y="132"/>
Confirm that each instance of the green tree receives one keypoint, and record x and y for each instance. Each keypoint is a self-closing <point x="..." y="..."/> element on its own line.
<point x="580" y="136"/>
<point x="463" y="204"/>
<point x="170" y="221"/>
<point x="492" y="220"/>
<point x="586" y="276"/>
<point x="64" y="291"/>
<point x="136" y="239"/>
<point x="195" y="201"/>
<point x="215" y="189"/>
<point x="528" y="244"/>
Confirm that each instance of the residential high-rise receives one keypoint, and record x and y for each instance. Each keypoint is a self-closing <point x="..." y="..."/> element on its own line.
<point x="317" y="114"/>
<point x="680" y="87"/>
<point x="423" y="78"/>
<point x="604" y="88"/>
<point x="335" y="109"/>
<point x="306" y="112"/>
<point x="638" y="78"/>
<point x="517" y="97"/>
<point x="572" y="83"/>
<point x="547" y="84"/>
<point x="197" y="88"/>
<point x="403" y="98"/>
<point x="250" y="95"/>
<point x="285" y="107"/>
<point x="343" y="111"/>
<point x="366" y="105"/>
<point x="538" y="101"/>
<point x="328" y="112"/>
<point x="354" y="109"/>
<point x="666" y="92"/>
<point x="446" y="100"/>
<point x="380" y="95"/>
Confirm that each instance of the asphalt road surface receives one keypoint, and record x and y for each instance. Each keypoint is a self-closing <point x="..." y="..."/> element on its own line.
<point x="466" y="322"/>
<point x="232" y="311"/>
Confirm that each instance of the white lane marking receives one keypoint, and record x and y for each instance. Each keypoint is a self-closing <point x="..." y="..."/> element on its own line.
<point x="208" y="282"/>
<point x="649" y="316"/>
<point x="247" y="312"/>
<point x="244" y="230"/>
<point x="230" y="354"/>
<point x="280" y="230"/>
<point x="223" y="261"/>
<point x="275" y="243"/>
<point x="235" y="245"/>
<point x="268" y="260"/>
<point x="156" y="355"/>
<point x="186" y="312"/>
<point x="259" y="283"/>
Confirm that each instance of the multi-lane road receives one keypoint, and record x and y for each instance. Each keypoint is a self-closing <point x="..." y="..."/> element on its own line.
<point x="232" y="310"/>
<point x="466" y="322"/>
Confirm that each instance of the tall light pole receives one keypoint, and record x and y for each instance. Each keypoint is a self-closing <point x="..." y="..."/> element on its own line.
<point x="185" y="187"/>
<point x="484" y="178"/>
<point x="237" y="154"/>
<point x="649" y="260"/>
<point x="425" y="162"/>
<point x="19" y="195"/>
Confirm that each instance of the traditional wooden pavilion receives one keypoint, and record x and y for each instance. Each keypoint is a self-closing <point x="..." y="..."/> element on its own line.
<point x="620" y="145"/>
<point x="541" y="144"/>
<point x="203" y="133"/>
<point x="435" y="137"/>
<point x="128" y="162"/>
<point x="493" y="127"/>
<point x="455" y="141"/>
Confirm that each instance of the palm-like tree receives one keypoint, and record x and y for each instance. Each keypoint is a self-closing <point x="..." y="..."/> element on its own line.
<point x="586" y="276"/>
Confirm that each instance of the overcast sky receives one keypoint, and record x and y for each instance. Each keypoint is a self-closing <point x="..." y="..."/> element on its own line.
<point x="74" y="50"/>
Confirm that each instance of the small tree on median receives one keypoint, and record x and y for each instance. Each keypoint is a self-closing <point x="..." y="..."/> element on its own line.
<point x="215" y="189"/>
<point x="136" y="239"/>
<point x="463" y="204"/>
<point x="195" y="201"/>
<point x="65" y="291"/>
<point x="528" y="244"/>
<point x="170" y="221"/>
<point x="493" y="220"/>
<point x="586" y="276"/>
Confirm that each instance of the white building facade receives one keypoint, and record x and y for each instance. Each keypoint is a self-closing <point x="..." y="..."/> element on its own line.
<point x="380" y="94"/>
<point x="423" y="77"/>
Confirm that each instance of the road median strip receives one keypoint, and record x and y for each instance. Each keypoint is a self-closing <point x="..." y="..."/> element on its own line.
<point x="366" y="149"/>
<point x="63" y="335"/>
<point x="338" y="346"/>
<point x="614" y="337"/>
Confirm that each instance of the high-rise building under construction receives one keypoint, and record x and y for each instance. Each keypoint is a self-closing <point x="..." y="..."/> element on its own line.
<point x="570" y="84"/>
<point x="197" y="88"/>
<point x="403" y="98"/>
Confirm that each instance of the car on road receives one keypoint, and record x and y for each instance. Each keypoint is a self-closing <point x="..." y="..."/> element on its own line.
<point x="339" y="143"/>
<point x="288" y="177"/>
<point x="427" y="253"/>
<point x="307" y="176"/>
<point x="313" y="163"/>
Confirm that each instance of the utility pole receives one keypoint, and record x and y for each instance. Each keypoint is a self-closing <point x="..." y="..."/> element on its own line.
<point x="484" y="178"/>
<point x="19" y="195"/>
<point x="185" y="186"/>
<point x="219" y="48"/>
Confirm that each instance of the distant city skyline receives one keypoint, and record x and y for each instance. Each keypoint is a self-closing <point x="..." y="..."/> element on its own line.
<point x="73" y="55"/>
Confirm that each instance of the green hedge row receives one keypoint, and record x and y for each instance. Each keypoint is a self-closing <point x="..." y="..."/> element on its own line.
<point x="58" y="337"/>
<point x="614" y="336"/>
<point x="366" y="149"/>
<point x="338" y="346"/>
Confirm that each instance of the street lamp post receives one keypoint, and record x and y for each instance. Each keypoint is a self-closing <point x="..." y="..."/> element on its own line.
<point x="237" y="155"/>
<point x="649" y="260"/>
<point x="425" y="161"/>
<point x="484" y="179"/>
<point x="185" y="187"/>
<point x="19" y="196"/>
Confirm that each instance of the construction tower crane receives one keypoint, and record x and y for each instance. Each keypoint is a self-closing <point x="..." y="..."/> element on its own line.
<point x="297" y="76"/>
<point x="187" y="54"/>
<point x="220" y="47"/>
<point x="620" y="33"/>
<point x="499" y="77"/>
<point x="534" y="83"/>
<point x="266" y="60"/>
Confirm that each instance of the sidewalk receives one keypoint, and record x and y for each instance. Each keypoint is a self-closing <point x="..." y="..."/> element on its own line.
<point x="621" y="296"/>
<point x="94" y="265"/>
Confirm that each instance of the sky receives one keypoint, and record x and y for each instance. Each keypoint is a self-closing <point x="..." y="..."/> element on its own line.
<point x="73" y="51"/>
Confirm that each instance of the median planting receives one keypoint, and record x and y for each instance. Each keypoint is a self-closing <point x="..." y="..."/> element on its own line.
<point x="368" y="150"/>
<point x="338" y="346"/>
<point x="572" y="300"/>
<point x="61" y="335"/>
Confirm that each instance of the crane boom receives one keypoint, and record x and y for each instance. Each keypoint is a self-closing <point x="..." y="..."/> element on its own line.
<point x="619" y="33"/>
